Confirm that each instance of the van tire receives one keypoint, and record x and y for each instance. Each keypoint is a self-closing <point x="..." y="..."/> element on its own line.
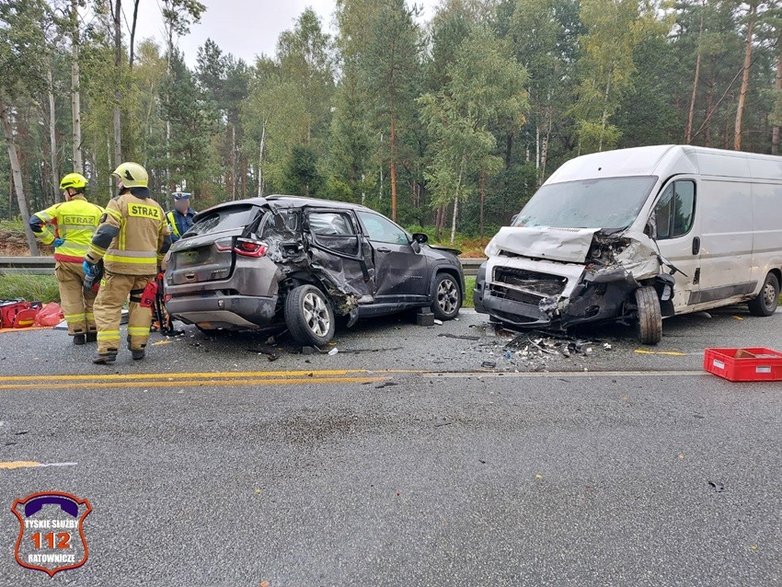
<point x="766" y="302"/>
<point x="309" y="316"/>
<point x="650" y="318"/>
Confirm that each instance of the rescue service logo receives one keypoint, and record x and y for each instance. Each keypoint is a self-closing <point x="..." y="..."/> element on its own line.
<point x="51" y="531"/>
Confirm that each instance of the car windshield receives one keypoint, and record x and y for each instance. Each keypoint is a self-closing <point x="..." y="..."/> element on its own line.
<point x="589" y="203"/>
<point x="223" y="219"/>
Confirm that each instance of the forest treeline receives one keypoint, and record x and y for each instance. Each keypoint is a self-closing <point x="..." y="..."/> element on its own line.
<point x="451" y="123"/>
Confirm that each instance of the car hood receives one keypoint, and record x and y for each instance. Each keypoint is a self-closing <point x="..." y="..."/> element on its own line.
<point x="570" y="245"/>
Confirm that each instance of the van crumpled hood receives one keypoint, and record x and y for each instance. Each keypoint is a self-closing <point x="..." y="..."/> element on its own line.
<point x="570" y="245"/>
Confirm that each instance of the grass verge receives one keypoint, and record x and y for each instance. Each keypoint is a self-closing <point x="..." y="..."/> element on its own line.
<point x="469" y="286"/>
<point x="33" y="288"/>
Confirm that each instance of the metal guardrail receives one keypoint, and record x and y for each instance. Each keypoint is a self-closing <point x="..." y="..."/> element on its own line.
<point x="470" y="266"/>
<point x="45" y="265"/>
<point x="27" y="265"/>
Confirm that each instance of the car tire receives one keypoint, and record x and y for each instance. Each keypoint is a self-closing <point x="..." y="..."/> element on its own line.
<point x="447" y="297"/>
<point x="766" y="302"/>
<point x="650" y="318"/>
<point x="309" y="316"/>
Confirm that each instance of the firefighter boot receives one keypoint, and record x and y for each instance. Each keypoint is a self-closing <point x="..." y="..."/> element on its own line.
<point x="104" y="358"/>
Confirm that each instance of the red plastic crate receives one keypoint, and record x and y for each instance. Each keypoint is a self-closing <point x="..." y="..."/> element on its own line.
<point x="750" y="364"/>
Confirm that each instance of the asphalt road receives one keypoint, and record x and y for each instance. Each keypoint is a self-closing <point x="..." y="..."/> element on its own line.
<point x="410" y="457"/>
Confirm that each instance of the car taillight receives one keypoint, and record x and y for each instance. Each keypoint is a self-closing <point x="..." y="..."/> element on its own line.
<point x="249" y="248"/>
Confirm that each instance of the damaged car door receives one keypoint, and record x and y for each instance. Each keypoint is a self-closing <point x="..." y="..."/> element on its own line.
<point x="340" y="253"/>
<point x="401" y="272"/>
<point x="674" y="226"/>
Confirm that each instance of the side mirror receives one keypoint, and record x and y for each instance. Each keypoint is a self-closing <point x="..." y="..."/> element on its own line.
<point x="420" y="238"/>
<point x="416" y="246"/>
<point x="513" y="219"/>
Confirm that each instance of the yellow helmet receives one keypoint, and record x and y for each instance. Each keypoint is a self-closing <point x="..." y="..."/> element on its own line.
<point x="132" y="175"/>
<point x="73" y="180"/>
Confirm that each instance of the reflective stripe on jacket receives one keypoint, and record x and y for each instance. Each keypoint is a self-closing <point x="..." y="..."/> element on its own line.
<point x="139" y="238"/>
<point x="179" y="223"/>
<point x="74" y="221"/>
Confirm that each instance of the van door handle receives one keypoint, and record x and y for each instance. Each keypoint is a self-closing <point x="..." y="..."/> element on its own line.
<point x="383" y="250"/>
<point x="696" y="245"/>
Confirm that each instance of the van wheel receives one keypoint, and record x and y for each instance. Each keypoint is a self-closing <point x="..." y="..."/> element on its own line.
<point x="765" y="303"/>
<point x="309" y="316"/>
<point x="650" y="318"/>
<point x="447" y="297"/>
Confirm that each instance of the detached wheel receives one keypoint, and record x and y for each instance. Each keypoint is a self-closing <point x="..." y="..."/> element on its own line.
<point x="447" y="297"/>
<point x="309" y="316"/>
<point x="767" y="300"/>
<point x="650" y="318"/>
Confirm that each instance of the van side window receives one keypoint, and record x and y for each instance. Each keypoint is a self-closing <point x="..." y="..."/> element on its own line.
<point x="675" y="210"/>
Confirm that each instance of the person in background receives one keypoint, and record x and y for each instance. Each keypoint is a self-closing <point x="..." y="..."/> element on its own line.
<point x="180" y="219"/>
<point x="69" y="226"/>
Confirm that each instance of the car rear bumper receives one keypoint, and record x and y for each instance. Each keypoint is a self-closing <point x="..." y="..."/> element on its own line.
<point x="224" y="311"/>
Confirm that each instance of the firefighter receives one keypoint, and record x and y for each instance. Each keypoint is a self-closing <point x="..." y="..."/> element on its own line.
<point x="69" y="226"/>
<point x="180" y="219"/>
<point x="132" y="239"/>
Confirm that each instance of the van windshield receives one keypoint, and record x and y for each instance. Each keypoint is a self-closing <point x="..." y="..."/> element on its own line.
<point x="612" y="202"/>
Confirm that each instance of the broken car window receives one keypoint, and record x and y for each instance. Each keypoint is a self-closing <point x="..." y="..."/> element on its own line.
<point x="222" y="219"/>
<point x="283" y="222"/>
<point x="334" y="231"/>
<point x="589" y="203"/>
<point x="330" y="224"/>
<point x="381" y="230"/>
<point x="675" y="210"/>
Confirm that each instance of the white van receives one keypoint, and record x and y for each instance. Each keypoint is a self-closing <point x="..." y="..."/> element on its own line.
<point x="639" y="234"/>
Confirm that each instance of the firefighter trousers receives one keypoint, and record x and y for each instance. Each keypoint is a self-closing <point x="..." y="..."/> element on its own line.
<point x="77" y="306"/>
<point x="114" y="291"/>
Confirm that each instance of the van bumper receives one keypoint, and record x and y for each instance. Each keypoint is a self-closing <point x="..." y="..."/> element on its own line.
<point x="513" y="312"/>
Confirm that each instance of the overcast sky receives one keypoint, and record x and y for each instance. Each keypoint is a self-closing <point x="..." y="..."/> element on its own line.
<point x="245" y="28"/>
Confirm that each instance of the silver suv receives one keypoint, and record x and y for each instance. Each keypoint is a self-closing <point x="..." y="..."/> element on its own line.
<point x="301" y="262"/>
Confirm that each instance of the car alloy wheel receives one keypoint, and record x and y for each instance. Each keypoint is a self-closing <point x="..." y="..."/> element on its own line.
<point x="447" y="297"/>
<point x="316" y="314"/>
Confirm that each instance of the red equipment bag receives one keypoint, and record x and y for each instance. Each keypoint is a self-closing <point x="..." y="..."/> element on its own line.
<point x="50" y="315"/>
<point x="18" y="313"/>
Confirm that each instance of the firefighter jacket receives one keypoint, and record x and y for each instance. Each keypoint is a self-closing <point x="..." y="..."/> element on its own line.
<point x="133" y="236"/>
<point x="73" y="221"/>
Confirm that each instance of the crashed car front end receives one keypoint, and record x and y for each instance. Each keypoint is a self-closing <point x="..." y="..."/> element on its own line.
<point x="557" y="278"/>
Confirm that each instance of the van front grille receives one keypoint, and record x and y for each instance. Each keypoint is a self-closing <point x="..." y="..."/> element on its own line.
<point x="543" y="284"/>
